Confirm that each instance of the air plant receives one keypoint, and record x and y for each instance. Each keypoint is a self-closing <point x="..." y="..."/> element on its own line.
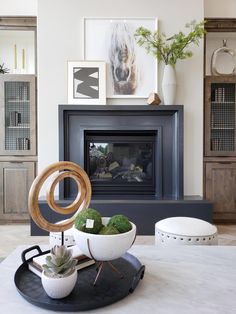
<point x="3" y="70"/>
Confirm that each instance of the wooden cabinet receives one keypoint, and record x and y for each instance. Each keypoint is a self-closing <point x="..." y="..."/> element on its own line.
<point x="18" y="111"/>
<point x="221" y="188"/>
<point x="220" y="125"/>
<point x="17" y="144"/>
<point x="18" y="136"/>
<point x="15" y="180"/>
<point x="220" y="146"/>
<point x="220" y="116"/>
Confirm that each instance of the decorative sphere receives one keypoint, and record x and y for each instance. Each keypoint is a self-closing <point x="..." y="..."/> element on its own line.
<point x="88" y="220"/>
<point x="120" y="222"/>
<point x="108" y="230"/>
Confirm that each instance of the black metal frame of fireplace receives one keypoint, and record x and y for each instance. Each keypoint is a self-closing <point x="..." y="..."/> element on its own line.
<point x="128" y="188"/>
<point x="74" y="120"/>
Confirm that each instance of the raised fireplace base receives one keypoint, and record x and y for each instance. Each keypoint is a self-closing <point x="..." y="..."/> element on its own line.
<point x="144" y="212"/>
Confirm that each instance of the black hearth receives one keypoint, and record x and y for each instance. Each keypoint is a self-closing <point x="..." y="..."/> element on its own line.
<point x="126" y="150"/>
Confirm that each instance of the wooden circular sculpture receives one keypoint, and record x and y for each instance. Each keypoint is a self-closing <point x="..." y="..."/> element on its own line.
<point x="82" y="200"/>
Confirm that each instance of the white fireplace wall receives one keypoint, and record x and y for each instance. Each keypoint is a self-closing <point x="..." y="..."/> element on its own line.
<point x="18" y="7"/>
<point x="60" y="39"/>
<point x="220" y="8"/>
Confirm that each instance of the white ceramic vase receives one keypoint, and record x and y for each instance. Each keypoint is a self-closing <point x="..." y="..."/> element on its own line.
<point x="58" y="288"/>
<point x="169" y="85"/>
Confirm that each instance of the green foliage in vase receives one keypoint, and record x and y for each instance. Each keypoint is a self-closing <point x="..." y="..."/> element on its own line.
<point x="171" y="49"/>
<point x="60" y="262"/>
<point x="3" y="70"/>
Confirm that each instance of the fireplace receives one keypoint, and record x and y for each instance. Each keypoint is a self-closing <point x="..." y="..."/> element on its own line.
<point x="140" y="172"/>
<point x="126" y="150"/>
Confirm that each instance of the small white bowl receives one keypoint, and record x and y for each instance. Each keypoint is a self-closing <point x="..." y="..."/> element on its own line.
<point x="104" y="247"/>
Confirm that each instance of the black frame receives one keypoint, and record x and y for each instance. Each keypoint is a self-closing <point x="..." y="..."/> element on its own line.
<point x="74" y="120"/>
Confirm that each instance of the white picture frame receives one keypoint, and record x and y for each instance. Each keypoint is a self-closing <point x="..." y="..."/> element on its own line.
<point x="103" y="36"/>
<point x="87" y="82"/>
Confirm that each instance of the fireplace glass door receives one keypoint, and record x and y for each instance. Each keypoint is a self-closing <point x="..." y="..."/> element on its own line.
<point x="120" y="162"/>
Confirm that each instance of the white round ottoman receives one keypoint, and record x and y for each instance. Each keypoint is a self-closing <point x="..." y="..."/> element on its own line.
<point x="185" y="231"/>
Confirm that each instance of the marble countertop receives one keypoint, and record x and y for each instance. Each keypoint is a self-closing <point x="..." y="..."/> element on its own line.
<point x="178" y="280"/>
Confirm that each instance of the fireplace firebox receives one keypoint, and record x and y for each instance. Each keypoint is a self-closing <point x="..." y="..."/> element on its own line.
<point x="121" y="162"/>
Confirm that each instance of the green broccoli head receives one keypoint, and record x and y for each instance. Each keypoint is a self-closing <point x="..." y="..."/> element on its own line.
<point x="108" y="230"/>
<point x="88" y="220"/>
<point x="120" y="222"/>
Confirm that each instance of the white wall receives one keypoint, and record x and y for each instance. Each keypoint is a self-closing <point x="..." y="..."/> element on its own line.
<point x="22" y="40"/>
<point x="225" y="62"/>
<point x="220" y="8"/>
<point x="18" y="7"/>
<point x="60" y="40"/>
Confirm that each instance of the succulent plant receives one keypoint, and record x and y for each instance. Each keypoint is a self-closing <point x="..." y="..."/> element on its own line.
<point x="3" y="70"/>
<point x="60" y="262"/>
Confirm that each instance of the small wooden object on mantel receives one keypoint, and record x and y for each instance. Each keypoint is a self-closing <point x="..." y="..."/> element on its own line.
<point x="153" y="99"/>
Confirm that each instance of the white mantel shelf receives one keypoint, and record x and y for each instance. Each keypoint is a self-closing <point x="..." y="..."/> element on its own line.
<point x="181" y="280"/>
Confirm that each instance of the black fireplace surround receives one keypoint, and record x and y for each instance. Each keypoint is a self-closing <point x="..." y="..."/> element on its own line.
<point x="155" y="167"/>
<point x="138" y="166"/>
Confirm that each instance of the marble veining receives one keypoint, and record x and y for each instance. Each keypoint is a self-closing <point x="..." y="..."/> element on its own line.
<point x="182" y="280"/>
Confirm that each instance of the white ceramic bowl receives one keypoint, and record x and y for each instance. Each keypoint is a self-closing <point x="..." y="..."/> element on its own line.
<point x="104" y="247"/>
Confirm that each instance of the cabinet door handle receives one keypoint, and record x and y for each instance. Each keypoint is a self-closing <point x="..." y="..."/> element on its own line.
<point x="225" y="162"/>
<point x="16" y="162"/>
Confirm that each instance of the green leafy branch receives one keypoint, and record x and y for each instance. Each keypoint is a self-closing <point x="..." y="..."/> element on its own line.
<point x="171" y="49"/>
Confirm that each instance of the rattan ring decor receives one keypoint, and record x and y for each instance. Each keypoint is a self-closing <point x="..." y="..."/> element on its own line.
<point x="63" y="169"/>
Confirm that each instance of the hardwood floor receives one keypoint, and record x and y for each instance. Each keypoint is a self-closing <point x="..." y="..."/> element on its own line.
<point x="13" y="235"/>
<point x="227" y="234"/>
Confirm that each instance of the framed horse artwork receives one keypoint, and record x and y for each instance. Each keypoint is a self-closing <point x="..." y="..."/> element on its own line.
<point x="131" y="72"/>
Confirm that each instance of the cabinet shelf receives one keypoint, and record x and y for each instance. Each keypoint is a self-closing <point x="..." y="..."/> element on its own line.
<point x="222" y="102"/>
<point x="223" y="128"/>
<point x="17" y="130"/>
<point x="18" y="153"/>
<point x="16" y="101"/>
<point x="220" y="116"/>
<point x="19" y="126"/>
<point x="220" y="122"/>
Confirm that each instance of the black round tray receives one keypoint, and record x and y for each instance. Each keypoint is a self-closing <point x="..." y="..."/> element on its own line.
<point x="85" y="296"/>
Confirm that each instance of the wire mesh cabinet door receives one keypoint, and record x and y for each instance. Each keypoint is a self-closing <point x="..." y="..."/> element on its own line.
<point x="18" y="111"/>
<point x="16" y="178"/>
<point x="220" y="116"/>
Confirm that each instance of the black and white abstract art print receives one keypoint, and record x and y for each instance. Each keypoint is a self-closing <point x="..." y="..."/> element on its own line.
<point x="86" y="82"/>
